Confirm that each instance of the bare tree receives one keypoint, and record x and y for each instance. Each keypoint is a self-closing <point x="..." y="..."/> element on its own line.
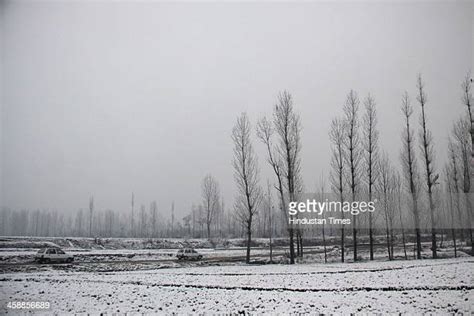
<point x="336" y="136"/>
<point x="79" y="217"/>
<point x="398" y="194"/>
<point x="201" y="219"/>
<point x="428" y="157"/>
<point x="153" y="219"/>
<point x="265" y="132"/>
<point x="386" y="188"/>
<point x="321" y="197"/>
<point x="91" y="211"/>
<point x="353" y="154"/>
<point x="143" y="221"/>
<point x="288" y="127"/>
<point x="468" y="101"/>
<point x="408" y="159"/>
<point x="452" y="186"/>
<point x="187" y="223"/>
<point x="463" y="149"/>
<point x="269" y="209"/>
<point x="109" y="221"/>
<point x="222" y="214"/>
<point x="370" y="143"/>
<point x="246" y="175"/>
<point x="210" y="196"/>
<point x="284" y="155"/>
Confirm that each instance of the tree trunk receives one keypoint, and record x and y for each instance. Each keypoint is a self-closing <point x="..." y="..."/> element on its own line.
<point x="433" y="227"/>
<point x="469" y="219"/>
<point x="324" y="244"/>
<point x="387" y="238"/>
<point x="417" y="227"/>
<point x="292" y="245"/>
<point x="404" y="244"/>
<point x="371" y="236"/>
<point x="354" y="236"/>
<point x="418" y="243"/>
<point x="271" y="248"/>
<point x="392" y="238"/>
<point x="403" y="230"/>
<point x="249" y="240"/>
<point x="298" y="251"/>
<point x="342" y="243"/>
<point x="453" y="233"/>
<point x="341" y="197"/>
<point x="301" y="244"/>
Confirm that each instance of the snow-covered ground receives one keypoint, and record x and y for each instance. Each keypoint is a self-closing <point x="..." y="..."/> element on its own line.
<point x="437" y="286"/>
<point x="136" y="275"/>
<point x="72" y="243"/>
<point x="23" y="249"/>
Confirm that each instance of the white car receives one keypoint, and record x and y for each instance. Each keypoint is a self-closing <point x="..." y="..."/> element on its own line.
<point x="188" y="254"/>
<point x="52" y="255"/>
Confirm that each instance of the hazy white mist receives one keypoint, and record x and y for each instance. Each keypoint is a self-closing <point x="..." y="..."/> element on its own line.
<point x="106" y="98"/>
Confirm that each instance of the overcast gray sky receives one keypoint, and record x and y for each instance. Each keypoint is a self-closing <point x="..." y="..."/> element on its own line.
<point x="106" y="98"/>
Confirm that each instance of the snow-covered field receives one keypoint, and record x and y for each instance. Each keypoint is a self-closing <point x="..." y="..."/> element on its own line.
<point x="15" y="250"/>
<point x="128" y="275"/>
<point x="437" y="286"/>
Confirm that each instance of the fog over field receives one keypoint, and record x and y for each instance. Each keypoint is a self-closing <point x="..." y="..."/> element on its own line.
<point x="109" y="98"/>
<point x="266" y="157"/>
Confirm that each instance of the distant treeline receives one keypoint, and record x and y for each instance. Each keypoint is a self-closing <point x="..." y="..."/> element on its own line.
<point x="416" y="192"/>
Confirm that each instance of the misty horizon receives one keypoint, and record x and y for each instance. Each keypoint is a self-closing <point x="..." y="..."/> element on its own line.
<point x="105" y="99"/>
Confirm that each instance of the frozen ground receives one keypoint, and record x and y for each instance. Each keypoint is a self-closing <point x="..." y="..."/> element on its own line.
<point x="437" y="286"/>
<point x="136" y="275"/>
<point x="15" y="250"/>
<point x="81" y="243"/>
<point x="22" y="249"/>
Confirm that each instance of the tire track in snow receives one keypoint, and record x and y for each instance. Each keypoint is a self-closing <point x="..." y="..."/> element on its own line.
<point x="346" y="289"/>
<point x="256" y="288"/>
<point x="318" y="272"/>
